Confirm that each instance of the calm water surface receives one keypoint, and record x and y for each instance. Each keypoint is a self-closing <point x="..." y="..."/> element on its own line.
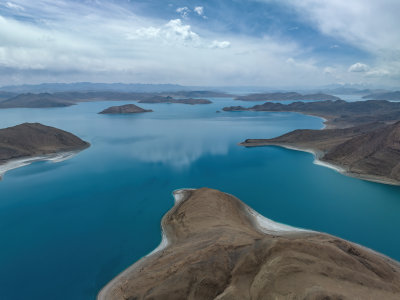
<point x="68" y="228"/>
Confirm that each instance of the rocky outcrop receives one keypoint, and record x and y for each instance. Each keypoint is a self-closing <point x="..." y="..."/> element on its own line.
<point x="218" y="248"/>
<point x="124" y="109"/>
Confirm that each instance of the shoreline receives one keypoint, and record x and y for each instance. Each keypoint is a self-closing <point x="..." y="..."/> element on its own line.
<point x="179" y="195"/>
<point x="343" y="171"/>
<point x="22" y="162"/>
<point x="319" y="154"/>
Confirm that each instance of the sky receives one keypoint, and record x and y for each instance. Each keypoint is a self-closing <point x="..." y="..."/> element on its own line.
<point x="272" y="43"/>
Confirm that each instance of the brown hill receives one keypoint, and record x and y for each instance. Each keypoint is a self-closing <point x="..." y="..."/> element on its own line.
<point x="217" y="250"/>
<point x="33" y="139"/>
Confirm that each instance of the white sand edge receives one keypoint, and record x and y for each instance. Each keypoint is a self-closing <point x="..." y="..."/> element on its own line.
<point x="179" y="196"/>
<point x="316" y="154"/>
<point x="18" y="163"/>
<point x="271" y="227"/>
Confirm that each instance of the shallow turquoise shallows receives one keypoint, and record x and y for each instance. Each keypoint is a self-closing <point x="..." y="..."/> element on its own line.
<point x="68" y="228"/>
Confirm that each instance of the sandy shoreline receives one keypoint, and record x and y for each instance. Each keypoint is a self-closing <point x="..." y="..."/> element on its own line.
<point x="179" y="195"/>
<point x="317" y="154"/>
<point x="317" y="161"/>
<point x="21" y="162"/>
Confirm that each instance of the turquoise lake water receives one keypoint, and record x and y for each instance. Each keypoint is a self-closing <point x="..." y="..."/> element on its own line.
<point x="68" y="228"/>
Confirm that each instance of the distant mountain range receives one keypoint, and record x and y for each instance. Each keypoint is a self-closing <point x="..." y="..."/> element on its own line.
<point x="61" y="99"/>
<point x="287" y="96"/>
<point x="384" y="96"/>
<point x="90" y="87"/>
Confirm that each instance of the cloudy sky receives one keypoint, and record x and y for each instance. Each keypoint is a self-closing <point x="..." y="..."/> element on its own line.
<point x="273" y="43"/>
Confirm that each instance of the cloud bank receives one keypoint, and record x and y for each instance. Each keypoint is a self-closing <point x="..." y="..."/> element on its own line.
<point x="109" y="41"/>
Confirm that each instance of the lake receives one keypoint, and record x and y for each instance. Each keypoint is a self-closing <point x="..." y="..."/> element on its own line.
<point x="68" y="228"/>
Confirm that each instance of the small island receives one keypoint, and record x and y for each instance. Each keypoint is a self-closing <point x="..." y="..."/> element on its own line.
<point x="286" y="96"/>
<point x="361" y="139"/>
<point x="216" y="247"/>
<point x="24" y="143"/>
<point x="125" y="109"/>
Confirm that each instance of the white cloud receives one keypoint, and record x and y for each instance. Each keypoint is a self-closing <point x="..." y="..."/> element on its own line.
<point x="329" y="70"/>
<point x="178" y="31"/>
<point x="377" y="73"/>
<point x="199" y="10"/>
<point x="183" y="11"/>
<point x="104" y="41"/>
<point x="172" y="32"/>
<point x="370" y="26"/>
<point x="220" y="45"/>
<point x="358" y="67"/>
<point x="13" y="6"/>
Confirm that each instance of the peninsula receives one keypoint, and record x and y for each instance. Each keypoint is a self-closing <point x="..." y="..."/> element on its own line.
<point x="125" y="109"/>
<point x="287" y="96"/>
<point x="216" y="247"/>
<point x="28" y="141"/>
<point x="362" y="139"/>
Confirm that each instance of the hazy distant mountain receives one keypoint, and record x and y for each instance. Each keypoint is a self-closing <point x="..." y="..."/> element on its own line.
<point x="6" y="95"/>
<point x="61" y="99"/>
<point x="30" y="100"/>
<point x="352" y="91"/>
<point x="384" y="96"/>
<point x="286" y="96"/>
<point x="339" y="114"/>
<point x="89" y="86"/>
